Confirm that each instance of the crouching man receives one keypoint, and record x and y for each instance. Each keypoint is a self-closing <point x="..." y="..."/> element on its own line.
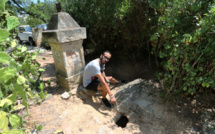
<point x="94" y="78"/>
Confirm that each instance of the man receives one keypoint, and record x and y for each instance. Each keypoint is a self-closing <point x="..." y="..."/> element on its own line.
<point x="94" y="78"/>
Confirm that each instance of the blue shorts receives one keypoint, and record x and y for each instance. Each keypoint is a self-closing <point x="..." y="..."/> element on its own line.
<point x="94" y="84"/>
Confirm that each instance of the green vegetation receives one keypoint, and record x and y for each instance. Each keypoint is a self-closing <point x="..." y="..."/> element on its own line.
<point x="178" y="34"/>
<point x="35" y="14"/>
<point x="20" y="76"/>
<point x="30" y="21"/>
<point x="184" y="40"/>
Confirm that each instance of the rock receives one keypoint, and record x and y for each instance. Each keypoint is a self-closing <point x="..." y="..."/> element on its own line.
<point x="81" y="90"/>
<point x="59" y="132"/>
<point x="133" y="98"/>
<point x="65" y="95"/>
<point x="82" y="95"/>
<point x="80" y="129"/>
<point x="124" y="106"/>
<point x="73" y="91"/>
<point x="193" y="103"/>
<point x="37" y="35"/>
<point x="50" y="52"/>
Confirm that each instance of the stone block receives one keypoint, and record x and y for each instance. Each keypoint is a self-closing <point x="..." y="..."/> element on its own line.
<point x="70" y="83"/>
<point x="62" y="36"/>
<point x="130" y="100"/>
<point x="69" y="60"/>
<point x="83" y="92"/>
<point x="37" y="35"/>
<point x="62" y="20"/>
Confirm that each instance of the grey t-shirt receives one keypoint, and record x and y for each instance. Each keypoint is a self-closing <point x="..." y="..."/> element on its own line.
<point x="90" y="71"/>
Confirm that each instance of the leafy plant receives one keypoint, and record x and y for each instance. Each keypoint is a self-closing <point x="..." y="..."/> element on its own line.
<point x="184" y="41"/>
<point x="20" y="76"/>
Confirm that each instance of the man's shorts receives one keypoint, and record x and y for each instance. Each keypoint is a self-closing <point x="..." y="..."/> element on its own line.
<point x="93" y="85"/>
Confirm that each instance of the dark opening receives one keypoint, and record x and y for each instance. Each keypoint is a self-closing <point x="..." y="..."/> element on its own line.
<point x="122" y="122"/>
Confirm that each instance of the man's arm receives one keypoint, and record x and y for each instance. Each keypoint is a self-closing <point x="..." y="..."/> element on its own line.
<point x="109" y="79"/>
<point x="103" y="74"/>
<point x="104" y="83"/>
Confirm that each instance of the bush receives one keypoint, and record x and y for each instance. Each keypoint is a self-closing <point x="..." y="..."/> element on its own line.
<point x="20" y="75"/>
<point x="185" y="43"/>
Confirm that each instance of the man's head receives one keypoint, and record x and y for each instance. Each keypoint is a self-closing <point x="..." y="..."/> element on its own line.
<point x="105" y="57"/>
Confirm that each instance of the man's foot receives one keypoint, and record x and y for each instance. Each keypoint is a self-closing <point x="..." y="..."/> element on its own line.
<point x="122" y="81"/>
<point x="106" y="103"/>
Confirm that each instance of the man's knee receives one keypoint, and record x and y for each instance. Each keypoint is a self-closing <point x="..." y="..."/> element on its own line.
<point x="99" y="87"/>
<point x="109" y="77"/>
<point x="102" y="87"/>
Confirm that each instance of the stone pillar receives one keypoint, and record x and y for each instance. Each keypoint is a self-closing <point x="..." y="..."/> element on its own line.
<point x="37" y="35"/>
<point x="65" y="37"/>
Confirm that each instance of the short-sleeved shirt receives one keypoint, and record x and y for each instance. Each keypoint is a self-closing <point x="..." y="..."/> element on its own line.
<point x="90" y="71"/>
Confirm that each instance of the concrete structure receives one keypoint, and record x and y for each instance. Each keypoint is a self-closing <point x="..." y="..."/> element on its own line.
<point x="37" y="35"/>
<point x="65" y="37"/>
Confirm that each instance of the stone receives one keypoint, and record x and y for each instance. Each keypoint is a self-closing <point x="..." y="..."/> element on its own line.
<point x="63" y="28"/>
<point x="65" y="95"/>
<point x="37" y="35"/>
<point x="65" y="37"/>
<point x="132" y="98"/>
<point x="193" y="102"/>
<point x="83" y="92"/>
<point x="74" y="91"/>
<point x="64" y="21"/>
<point x="124" y="106"/>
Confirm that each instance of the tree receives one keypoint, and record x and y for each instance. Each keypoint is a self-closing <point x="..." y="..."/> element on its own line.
<point x="40" y="10"/>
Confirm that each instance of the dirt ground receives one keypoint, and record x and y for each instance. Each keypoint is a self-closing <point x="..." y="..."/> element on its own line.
<point x="78" y="115"/>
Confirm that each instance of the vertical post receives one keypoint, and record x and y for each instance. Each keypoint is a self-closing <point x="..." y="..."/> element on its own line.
<point x="65" y="37"/>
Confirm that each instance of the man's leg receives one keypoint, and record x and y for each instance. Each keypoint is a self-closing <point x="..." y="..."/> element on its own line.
<point x="93" y="85"/>
<point x="103" y="90"/>
<point x="104" y="94"/>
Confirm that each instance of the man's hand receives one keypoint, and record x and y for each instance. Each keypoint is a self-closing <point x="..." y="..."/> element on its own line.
<point x="113" y="100"/>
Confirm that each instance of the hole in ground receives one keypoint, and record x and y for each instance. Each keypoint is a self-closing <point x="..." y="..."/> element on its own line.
<point x="122" y="122"/>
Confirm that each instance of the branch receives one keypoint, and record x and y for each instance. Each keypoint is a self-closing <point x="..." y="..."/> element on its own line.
<point x="199" y="56"/>
<point x="30" y="13"/>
